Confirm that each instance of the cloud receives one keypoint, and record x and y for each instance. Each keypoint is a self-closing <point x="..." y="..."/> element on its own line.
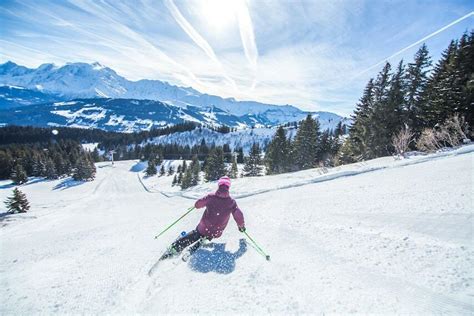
<point x="197" y="38"/>
<point x="314" y="54"/>
<point x="246" y="33"/>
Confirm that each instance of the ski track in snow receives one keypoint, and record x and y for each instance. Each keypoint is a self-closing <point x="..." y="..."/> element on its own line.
<point x="394" y="237"/>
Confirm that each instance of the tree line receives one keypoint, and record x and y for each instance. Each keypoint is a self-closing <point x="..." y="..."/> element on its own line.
<point x="309" y="148"/>
<point x="12" y="134"/>
<point x="415" y="103"/>
<point x="51" y="160"/>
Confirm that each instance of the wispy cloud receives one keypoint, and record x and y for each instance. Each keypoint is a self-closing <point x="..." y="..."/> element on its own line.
<point x="247" y="35"/>
<point x="314" y="54"/>
<point x="197" y="38"/>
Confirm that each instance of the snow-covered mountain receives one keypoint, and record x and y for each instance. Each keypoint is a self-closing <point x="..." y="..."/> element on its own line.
<point x="13" y="96"/>
<point x="91" y="81"/>
<point x="130" y="115"/>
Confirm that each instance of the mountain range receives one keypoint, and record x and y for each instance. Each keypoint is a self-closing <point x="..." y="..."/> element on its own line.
<point x="92" y="95"/>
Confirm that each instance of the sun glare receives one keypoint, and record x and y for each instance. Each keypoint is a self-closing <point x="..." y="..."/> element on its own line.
<point x="219" y="14"/>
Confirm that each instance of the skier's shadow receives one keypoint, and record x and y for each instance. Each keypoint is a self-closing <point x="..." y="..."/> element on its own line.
<point x="214" y="258"/>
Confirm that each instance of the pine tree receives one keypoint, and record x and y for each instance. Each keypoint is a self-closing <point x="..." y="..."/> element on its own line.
<point x="158" y="159"/>
<point x="306" y="142"/>
<point x="61" y="165"/>
<point x="340" y="130"/>
<point x="393" y="111"/>
<point x="85" y="170"/>
<point x="325" y="148"/>
<point x="253" y="163"/>
<point x="18" y="202"/>
<point x="195" y="170"/>
<point x="170" y="170"/>
<point x="175" y="181"/>
<point x="234" y="171"/>
<point x="180" y="177"/>
<point x="359" y="132"/>
<point x="417" y="80"/>
<point x="184" y="166"/>
<point x="187" y="179"/>
<point x="450" y="88"/>
<point x="240" y="155"/>
<point x="39" y="166"/>
<point x="277" y="157"/>
<point x="466" y="78"/>
<point x="442" y="94"/>
<point x="227" y="153"/>
<point x="151" y="169"/>
<point x="95" y="155"/>
<point x="377" y="136"/>
<point x="215" y="167"/>
<point x="51" y="172"/>
<point x="346" y="152"/>
<point x="6" y="164"/>
<point x="18" y="175"/>
<point x="162" y="170"/>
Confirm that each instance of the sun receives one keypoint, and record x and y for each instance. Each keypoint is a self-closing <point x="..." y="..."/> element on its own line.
<point x="219" y="14"/>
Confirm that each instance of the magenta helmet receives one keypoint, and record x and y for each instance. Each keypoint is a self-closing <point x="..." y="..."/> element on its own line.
<point x="224" y="181"/>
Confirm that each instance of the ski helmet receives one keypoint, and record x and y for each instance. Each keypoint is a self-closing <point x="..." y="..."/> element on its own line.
<point x="224" y="181"/>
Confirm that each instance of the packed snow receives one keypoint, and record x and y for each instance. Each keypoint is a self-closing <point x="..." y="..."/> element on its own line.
<point x="383" y="236"/>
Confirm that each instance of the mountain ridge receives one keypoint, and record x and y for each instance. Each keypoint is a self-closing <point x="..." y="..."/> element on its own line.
<point x="93" y="82"/>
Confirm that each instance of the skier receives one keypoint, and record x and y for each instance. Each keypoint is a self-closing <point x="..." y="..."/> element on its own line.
<point x="219" y="206"/>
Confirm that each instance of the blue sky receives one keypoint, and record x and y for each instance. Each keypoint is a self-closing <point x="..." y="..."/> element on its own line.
<point x="317" y="55"/>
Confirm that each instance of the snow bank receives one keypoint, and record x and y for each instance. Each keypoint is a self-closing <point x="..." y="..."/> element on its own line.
<point x="245" y="187"/>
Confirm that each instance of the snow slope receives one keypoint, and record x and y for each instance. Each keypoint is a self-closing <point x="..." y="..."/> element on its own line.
<point x="396" y="238"/>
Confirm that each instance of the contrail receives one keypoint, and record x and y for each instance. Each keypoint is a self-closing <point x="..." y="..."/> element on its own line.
<point x="196" y="37"/>
<point x="122" y="29"/>
<point x="247" y="34"/>
<point x="416" y="43"/>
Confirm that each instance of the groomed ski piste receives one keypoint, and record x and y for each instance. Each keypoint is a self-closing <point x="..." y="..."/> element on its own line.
<point x="384" y="236"/>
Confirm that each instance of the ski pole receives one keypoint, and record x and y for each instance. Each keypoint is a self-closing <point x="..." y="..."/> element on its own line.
<point x="259" y="250"/>
<point x="189" y="211"/>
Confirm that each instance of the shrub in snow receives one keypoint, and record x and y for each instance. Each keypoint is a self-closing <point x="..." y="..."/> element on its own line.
<point x="454" y="130"/>
<point x="452" y="133"/>
<point x="401" y="141"/>
<point x="18" y="202"/>
<point x="428" y="140"/>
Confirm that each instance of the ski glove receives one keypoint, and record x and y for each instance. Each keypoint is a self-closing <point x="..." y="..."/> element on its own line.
<point x="241" y="229"/>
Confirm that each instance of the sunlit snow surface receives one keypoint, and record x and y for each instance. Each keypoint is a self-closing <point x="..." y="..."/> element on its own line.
<point x="380" y="237"/>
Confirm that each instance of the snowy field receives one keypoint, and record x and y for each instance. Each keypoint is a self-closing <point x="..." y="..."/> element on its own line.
<point x="380" y="237"/>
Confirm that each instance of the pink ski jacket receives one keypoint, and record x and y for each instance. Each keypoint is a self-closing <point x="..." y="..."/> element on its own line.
<point x="219" y="206"/>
